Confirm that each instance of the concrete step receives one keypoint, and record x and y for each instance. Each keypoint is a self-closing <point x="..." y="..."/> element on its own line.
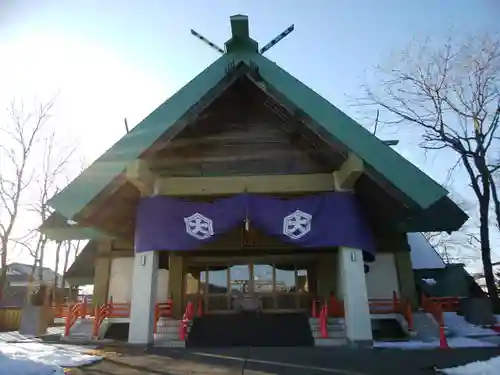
<point x="330" y="341"/>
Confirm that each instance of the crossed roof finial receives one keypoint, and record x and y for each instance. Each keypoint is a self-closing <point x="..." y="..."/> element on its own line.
<point x="240" y="37"/>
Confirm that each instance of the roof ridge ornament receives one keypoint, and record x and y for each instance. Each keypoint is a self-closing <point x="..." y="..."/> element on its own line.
<point x="277" y="39"/>
<point x="240" y="37"/>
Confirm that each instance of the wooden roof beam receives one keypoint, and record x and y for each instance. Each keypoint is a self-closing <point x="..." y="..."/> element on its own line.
<point x="347" y="176"/>
<point x="202" y="186"/>
<point x="139" y="174"/>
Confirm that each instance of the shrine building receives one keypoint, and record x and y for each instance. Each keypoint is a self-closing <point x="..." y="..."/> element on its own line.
<point x="246" y="190"/>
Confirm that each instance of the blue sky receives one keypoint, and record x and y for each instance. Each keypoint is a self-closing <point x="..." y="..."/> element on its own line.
<point x="114" y="59"/>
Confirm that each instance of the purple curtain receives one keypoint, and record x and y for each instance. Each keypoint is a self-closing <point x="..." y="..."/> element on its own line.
<point x="164" y="223"/>
<point x="319" y="221"/>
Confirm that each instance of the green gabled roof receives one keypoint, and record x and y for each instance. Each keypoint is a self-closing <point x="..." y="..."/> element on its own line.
<point x="95" y="178"/>
<point x="81" y="272"/>
<point x="416" y="185"/>
<point x="57" y="228"/>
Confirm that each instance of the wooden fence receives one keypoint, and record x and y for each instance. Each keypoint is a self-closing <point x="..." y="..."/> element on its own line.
<point x="10" y="318"/>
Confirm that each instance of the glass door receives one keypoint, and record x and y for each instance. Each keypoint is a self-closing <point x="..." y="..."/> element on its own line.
<point x="264" y="279"/>
<point x="240" y="279"/>
<point x="277" y="286"/>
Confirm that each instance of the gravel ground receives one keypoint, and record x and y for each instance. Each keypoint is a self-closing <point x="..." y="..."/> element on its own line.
<point x="126" y="360"/>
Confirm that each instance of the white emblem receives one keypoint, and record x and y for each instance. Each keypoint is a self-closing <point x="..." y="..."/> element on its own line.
<point x="199" y="226"/>
<point x="297" y="224"/>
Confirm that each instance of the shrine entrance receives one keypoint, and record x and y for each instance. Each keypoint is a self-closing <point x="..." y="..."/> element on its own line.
<point x="259" y="284"/>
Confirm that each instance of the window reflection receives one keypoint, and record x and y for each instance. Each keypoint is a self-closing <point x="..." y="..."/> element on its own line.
<point x="239" y="276"/>
<point x="203" y="281"/>
<point x="263" y="278"/>
<point x="217" y="281"/>
<point x="285" y="278"/>
<point x="302" y="281"/>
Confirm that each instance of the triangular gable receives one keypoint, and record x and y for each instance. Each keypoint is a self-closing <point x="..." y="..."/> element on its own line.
<point x="402" y="174"/>
<point x="407" y="178"/>
<point x="99" y="174"/>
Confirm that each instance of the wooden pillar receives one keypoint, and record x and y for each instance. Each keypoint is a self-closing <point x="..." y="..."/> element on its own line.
<point x="326" y="274"/>
<point x="102" y="270"/>
<point x="176" y="266"/>
<point x="406" y="278"/>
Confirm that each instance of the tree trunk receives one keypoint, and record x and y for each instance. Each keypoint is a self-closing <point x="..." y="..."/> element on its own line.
<point x="3" y="271"/>
<point x="486" y="258"/>
<point x="43" y="243"/>
<point x="67" y="251"/>
<point x="494" y="196"/>
<point x="56" y="274"/>
<point x="484" y="228"/>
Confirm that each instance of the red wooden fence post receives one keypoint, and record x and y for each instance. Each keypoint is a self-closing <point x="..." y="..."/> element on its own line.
<point x="67" y="323"/>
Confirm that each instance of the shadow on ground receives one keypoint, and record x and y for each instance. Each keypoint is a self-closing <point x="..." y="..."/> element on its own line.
<point x="281" y="361"/>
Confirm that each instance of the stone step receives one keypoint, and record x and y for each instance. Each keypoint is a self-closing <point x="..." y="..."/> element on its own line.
<point x="170" y="344"/>
<point x="329" y="324"/>
<point x="331" y="334"/>
<point x="165" y="329"/>
<point x="330" y="320"/>
<point x="330" y="327"/>
<point x="167" y="336"/>
<point x="171" y="323"/>
<point x="79" y="339"/>
<point x="330" y="341"/>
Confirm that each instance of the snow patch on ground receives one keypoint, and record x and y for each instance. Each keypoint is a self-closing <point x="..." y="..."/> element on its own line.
<point x="36" y="358"/>
<point x="10" y="366"/>
<point x="16" y="336"/>
<point x="490" y="367"/>
<point x="454" y="342"/>
<point x="460" y="327"/>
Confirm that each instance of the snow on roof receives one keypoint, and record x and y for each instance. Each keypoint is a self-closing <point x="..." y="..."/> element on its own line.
<point x="423" y="254"/>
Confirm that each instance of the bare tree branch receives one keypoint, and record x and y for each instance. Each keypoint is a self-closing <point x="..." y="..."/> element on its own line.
<point x="19" y="135"/>
<point x="450" y="94"/>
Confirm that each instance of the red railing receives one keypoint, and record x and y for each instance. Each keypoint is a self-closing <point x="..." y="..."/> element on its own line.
<point x="323" y="321"/>
<point x="436" y="310"/>
<point x="119" y="310"/>
<point x="163" y="310"/>
<point x="186" y="318"/>
<point x="101" y="312"/>
<point x="74" y="312"/>
<point x="448" y="304"/>
<point x="61" y="310"/>
<point x="433" y="308"/>
<point x="336" y="307"/>
<point x="406" y="311"/>
<point x="377" y="306"/>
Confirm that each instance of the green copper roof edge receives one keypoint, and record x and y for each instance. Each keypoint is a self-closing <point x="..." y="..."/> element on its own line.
<point x="382" y="158"/>
<point x="414" y="183"/>
<point x="79" y="233"/>
<point x="95" y="178"/>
